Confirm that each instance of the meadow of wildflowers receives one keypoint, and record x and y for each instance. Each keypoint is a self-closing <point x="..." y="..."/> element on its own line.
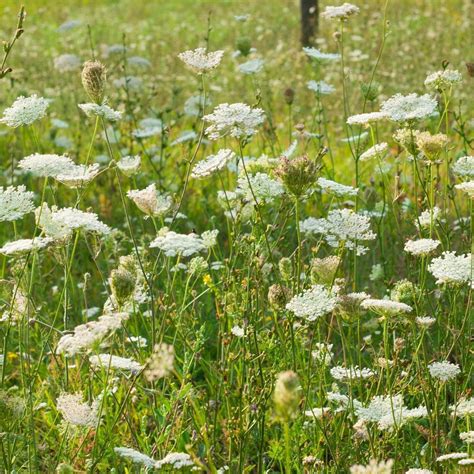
<point x="221" y="251"/>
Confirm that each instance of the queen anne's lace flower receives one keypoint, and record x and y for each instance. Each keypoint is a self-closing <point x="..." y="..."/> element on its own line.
<point x="320" y="87"/>
<point x="76" y="412"/>
<point x="467" y="437"/>
<point x="319" y="55"/>
<point x="261" y="185"/>
<point x="313" y="303"/>
<point x="251" y="67"/>
<point x="237" y="120"/>
<point x="103" y="111"/>
<point x="451" y="457"/>
<point x="452" y="268"/>
<point x="350" y="373"/>
<point x="25" y="111"/>
<point x="403" y="108"/>
<point x="341" y="226"/>
<point x="463" y="407"/>
<point x="175" y="461"/>
<point x="22" y="246"/>
<point x="46" y="165"/>
<point x="115" y="362"/>
<point x="173" y="244"/>
<point x="201" y="61"/>
<point x="415" y="470"/>
<point x="61" y="223"/>
<point x="129" y="165"/>
<point x="366" y="119"/>
<point x="86" y="335"/>
<point x="379" y="150"/>
<point x="428" y="216"/>
<point x="340" y="190"/>
<point x="212" y="163"/>
<point x="464" y="166"/>
<point x="444" y="371"/>
<point x="67" y="63"/>
<point x="341" y="12"/>
<point x="150" y="201"/>
<point x="467" y="187"/>
<point x="135" y="456"/>
<point x="441" y="80"/>
<point x="15" y="203"/>
<point x="421" y="246"/>
<point x="388" y="307"/>
<point x="78" y="175"/>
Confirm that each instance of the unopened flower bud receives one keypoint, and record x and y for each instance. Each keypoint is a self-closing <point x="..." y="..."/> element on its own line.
<point x="287" y="395"/>
<point x="93" y="80"/>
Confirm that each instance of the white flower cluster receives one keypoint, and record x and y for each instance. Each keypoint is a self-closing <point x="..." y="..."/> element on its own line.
<point x="464" y="407"/>
<point x="341" y="225"/>
<point x="15" y="203"/>
<point x="76" y="412"/>
<point x="467" y="187"/>
<point x="421" y="247"/>
<point x="261" y="185"/>
<point x="464" y="166"/>
<point x="444" y="371"/>
<point x="319" y="55"/>
<point x="22" y="246"/>
<point x="386" y="307"/>
<point x="451" y="456"/>
<point x="78" y="175"/>
<point x="103" y="111"/>
<point x="340" y="190"/>
<point x="320" y="87"/>
<point x="366" y="118"/>
<point x="467" y="437"/>
<point x="313" y="303"/>
<point x="67" y="63"/>
<point x="49" y="165"/>
<point x="415" y="470"/>
<point x="425" y="218"/>
<point x="341" y="12"/>
<point x="351" y="373"/>
<point x="129" y="165"/>
<point x="200" y="61"/>
<point x="171" y="462"/>
<point x="61" y="223"/>
<point x="148" y="127"/>
<point x="374" y="467"/>
<point x="212" y="163"/>
<point x="173" y="244"/>
<point x="404" y="108"/>
<point x="253" y="66"/>
<point x="150" y="201"/>
<point x="323" y="353"/>
<point x="379" y="150"/>
<point x="25" y="111"/>
<point x="86" y="335"/>
<point x="115" y="362"/>
<point x="452" y="268"/>
<point x="237" y="120"/>
<point x="441" y="80"/>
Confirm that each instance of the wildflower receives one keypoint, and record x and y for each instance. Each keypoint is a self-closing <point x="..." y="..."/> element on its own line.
<point x="85" y="336"/>
<point x="313" y="303"/>
<point x="139" y="62"/>
<point x="212" y="163"/>
<point x="195" y="105"/>
<point x="251" y="67"/>
<point x="261" y="187"/>
<point x="466" y="462"/>
<point x="320" y="87"/>
<point x="298" y="174"/>
<point x="464" y="166"/>
<point x="317" y="412"/>
<point x="374" y="467"/>
<point x="323" y="353"/>
<point x="200" y="61"/>
<point x="100" y="110"/>
<point x="15" y="203"/>
<point x="441" y="80"/>
<point x="174" y="461"/>
<point x="463" y="407"/>
<point x="467" y="437"/>
<point x="320" y="56"/>
<point x="25" y="111"/>
<point x="148" y="127"/>
<point x="46" y="165"/>
<point x="78" y="175"/>
<point x="418" y="471"/>
<point x="337" y="189"/>
<point x="161" y="362"/>
<point x="431" y="145"/>
<point x="425" y="321"/>
<point x="61" y="223"/>
<point x="278" y="296"/>
<point x="451" y="457"/>
<point x="75" y="411"/>
<point x="115" y="362"/>
<point x="452" y="268"/>
<point x="173" y="244"/>
<point x="150" y="201"/>
<point x="93" y="80"/>
<point x="421" y="247"/>
<point x="379" y="150"/>
<point x="22" y="246"/>
<point x="129" y="165"/>
<point x="400" y="108"/>
<point x="287" y="395"/>
<point x="366" y="118"/>
<point x="444" y="371"/>
<point x="135" y="456"/>
<point x="342" y="12"/>
<point x="386" y="307"/>
<point x="209" y="238"/>
<point x="341" y="226"/>
<point x="350" y="373"/>
<point x="238" y="331"/>
<point x="67" y="63"/>
<point x="237" y="120"/>
<point x="427" y="217"/>
<point x="467" y="187"/>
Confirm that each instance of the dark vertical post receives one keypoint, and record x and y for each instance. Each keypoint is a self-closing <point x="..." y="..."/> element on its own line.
<point x="309" y="20"/>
